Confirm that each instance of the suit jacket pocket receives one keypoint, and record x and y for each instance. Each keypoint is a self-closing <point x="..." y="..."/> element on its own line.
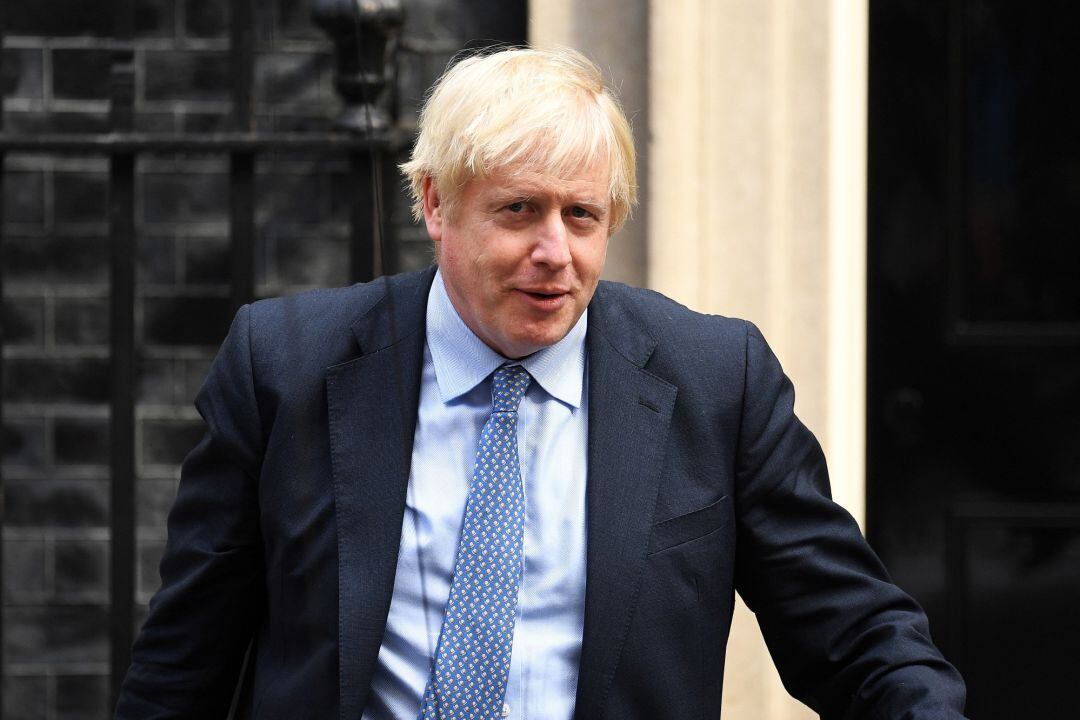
<point x="691" y="526"/>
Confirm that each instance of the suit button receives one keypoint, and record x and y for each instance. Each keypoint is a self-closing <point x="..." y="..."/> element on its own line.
<point x="505" y="710"/>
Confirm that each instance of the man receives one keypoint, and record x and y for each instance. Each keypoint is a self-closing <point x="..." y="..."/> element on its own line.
<point x="502" y="488"/>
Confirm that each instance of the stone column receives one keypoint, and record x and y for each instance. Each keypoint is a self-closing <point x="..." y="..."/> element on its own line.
<point x="757" y="209"/>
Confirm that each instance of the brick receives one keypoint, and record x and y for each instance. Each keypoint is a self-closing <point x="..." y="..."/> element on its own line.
<point x="141" y="611"/>
<point x="82" y="697"/>
<point x="187" y="75"/>
<point x="69" y="18"/>
<point x="414" y="256"/>
<point x="22" y="76"/>
<point x="57" y="380"/>
<point x="81" y="73"/>
<point x="342" y="196"/>
<point x="211" y="18"/>
<point x="24" y="697"/>
<point x="24" y="197"/>
<point x="294" y="21"/>
<point x="291" y="77"/>
<point x="153" y="499"/>
<point x="81" y="441"/>
<point x="155" y="381"/>
<point x="149" y="559"/>
<point x="157" y="259"/>
<point x="24" y="321"/>
<point x="288" y="122"/>
<point x="192" y="377"/>
<point x="24" y="568"/>
<point x="265" y="122"/>
<point x="56" y="634"/>
<point x="201" y="122"/>
<point x="320" y="260"/>
<point x="206" y="260"/>
<point x="81" y="321"/>
<point x="81" y="569"/>
<point x="507" y="21"/>
<point x="56" y="503"/>
<point x="182" y="197"/>
<point x="206" y="18"/>
<point x="416" y="71"/>
<point x="264" y="24"/>
<point x="24" y="443"/>
<point x="155" y="18"/>
<point x="164" y="122"/>
<point x="185" y="320"/>
<point x="81" y="197"/>
<point x="401" y="200"/>
<point x="60" y="17"/>
<point x="31" y="122"/>
<point x="287" y="198"/>
<point x="54" y="260"/>
<point x="167" y="442"/>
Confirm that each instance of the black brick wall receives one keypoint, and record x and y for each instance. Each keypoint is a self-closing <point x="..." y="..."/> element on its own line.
<point x="55" y="268"/>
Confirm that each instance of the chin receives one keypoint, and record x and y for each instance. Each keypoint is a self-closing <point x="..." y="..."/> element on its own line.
<point x="533" y="343"/>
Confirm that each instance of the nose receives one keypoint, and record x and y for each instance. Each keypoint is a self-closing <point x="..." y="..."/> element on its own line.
<point x="552" y="247"/>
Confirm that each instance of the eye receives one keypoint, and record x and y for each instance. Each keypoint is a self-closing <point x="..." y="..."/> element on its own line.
<point x="579" y="212"/>
<point x="516" y="207"/>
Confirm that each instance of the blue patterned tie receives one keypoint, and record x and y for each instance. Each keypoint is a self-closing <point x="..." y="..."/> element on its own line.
<point x="472" y="659"/>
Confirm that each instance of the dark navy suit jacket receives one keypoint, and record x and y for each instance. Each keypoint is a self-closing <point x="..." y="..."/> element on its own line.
<point x="701" y="482"/>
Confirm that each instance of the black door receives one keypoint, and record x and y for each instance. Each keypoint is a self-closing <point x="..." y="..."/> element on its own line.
<point x="974" y="337"/>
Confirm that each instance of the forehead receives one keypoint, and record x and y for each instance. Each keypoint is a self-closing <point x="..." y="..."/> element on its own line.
<point x="585" y="182"/>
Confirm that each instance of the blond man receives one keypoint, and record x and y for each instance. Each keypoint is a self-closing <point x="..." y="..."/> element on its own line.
<point x="503" y="488"/>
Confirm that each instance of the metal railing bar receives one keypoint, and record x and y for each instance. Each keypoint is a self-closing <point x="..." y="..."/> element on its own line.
<point x="124" y="28"/>
<point x="242" y="228"/>
<point x="3" y="432"/>
<point x="242" y="160"/>
<point x="242" y="59"/>
<point x="122" y="364"/>
<point x="362" y="231"/>
<point x="177" y="143"/>
<point x="386" y="197"/>
<point x="122" y="415"/>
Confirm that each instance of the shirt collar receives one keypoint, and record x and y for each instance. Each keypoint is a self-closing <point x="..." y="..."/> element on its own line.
<point x="462" y="360"/>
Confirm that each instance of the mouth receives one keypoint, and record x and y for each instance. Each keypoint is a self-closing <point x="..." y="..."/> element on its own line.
<point x="545" y="298"/>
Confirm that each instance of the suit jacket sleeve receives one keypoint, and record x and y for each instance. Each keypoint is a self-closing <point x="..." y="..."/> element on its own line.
<point x="187" y="657"/>
<point x="847" y="642"/>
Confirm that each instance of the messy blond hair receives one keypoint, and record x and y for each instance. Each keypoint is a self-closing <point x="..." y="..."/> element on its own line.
<point x="542" y="110"/>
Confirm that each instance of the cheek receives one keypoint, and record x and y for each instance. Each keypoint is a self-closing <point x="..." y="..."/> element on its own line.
<point x="590" y="259"/>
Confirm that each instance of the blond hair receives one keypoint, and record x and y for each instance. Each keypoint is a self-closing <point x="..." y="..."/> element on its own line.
<point x="546" y="111"/>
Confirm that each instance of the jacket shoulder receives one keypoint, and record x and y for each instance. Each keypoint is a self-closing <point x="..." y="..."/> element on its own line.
<point x="322" y="324"/>
<point x="667" y="320"/>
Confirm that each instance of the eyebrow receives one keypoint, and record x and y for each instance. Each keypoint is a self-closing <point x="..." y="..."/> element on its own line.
<point x="509" y="194"/>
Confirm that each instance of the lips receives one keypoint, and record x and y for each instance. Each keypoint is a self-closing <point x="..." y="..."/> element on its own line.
<point x="544" y="293"/>
<point x="545" y="298"/>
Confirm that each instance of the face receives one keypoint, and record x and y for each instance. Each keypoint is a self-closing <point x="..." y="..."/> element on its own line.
<point x="521" y="253"/>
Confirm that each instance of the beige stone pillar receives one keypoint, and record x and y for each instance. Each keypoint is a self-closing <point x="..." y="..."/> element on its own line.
<point x="757" y="209"/>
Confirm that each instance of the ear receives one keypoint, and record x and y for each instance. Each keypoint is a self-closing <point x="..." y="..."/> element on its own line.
<point x="433" y="211"/>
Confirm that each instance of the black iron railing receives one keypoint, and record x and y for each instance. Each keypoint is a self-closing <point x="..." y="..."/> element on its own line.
<point x="364" y="35"/>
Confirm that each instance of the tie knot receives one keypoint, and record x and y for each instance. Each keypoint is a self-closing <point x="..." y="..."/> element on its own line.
<point x="508" y="386"/>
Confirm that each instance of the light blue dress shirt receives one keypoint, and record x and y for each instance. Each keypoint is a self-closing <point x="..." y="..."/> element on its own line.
<point x="455" y="401"/>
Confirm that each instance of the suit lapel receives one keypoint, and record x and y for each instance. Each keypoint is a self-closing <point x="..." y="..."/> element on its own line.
<point x="372" y="404"/>
<point x="629" y="416"/>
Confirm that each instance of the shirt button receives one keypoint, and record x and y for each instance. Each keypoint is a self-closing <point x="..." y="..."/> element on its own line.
<point x="506" y="710"/>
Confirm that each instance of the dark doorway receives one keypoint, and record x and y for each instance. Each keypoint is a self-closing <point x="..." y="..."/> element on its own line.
<point x="974" y="337"/>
